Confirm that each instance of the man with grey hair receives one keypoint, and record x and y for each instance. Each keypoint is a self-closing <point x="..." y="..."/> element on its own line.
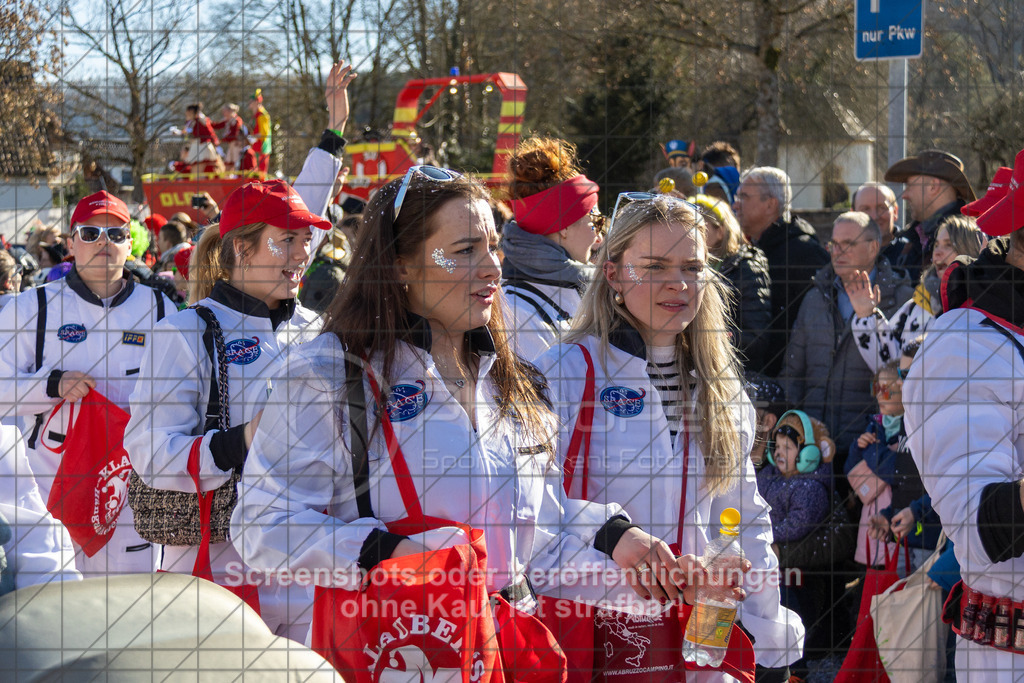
<point x="824" y="371"/>
<point x="879" y="201"/>
<point x="794" y="254"/>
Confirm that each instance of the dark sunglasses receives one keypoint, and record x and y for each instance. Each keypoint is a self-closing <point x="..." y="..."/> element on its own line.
<point x="629" y="197"/>
<point x="439" y="175"/>
<point x="116" y="234"/>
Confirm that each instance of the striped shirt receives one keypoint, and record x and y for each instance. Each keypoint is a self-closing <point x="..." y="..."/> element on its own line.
<point x="664" y="374"/>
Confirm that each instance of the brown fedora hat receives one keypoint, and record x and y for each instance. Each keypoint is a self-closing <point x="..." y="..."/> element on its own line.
<point x="935" y="163"/>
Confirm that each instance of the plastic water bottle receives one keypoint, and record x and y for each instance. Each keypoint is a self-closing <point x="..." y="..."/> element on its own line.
<point x="714" y="609"/>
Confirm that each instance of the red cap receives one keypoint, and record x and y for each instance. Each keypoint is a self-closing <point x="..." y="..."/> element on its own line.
<point x="155" y="222"/>
<point x="273" y="202"/>
<point x="1008" y="213"/>
<point x="997" y="189"/>
<point x="181" y="259"/>
<point x="98" y="204"/>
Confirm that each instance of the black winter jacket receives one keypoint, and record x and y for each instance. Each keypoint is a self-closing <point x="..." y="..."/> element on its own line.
<point x="746" y="272"/>
<point x="915" y="257"/>
<point x="794" y="255"/>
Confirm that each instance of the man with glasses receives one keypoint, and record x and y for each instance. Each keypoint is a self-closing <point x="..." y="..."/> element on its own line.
<point x="86" y="331"/>
<point x="762" y="206"/>
<point x="824" y="373"/>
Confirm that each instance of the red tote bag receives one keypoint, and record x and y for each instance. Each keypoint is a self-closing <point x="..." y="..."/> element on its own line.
<point x="423" y="617"/>
<point x="202" y="569"/>
<point x="862" y="664"/>
<point x="91" y="484"/>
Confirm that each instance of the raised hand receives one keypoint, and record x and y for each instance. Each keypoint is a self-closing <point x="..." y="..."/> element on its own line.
<point x="863" y="295"/>
<point x="336" y="94"/>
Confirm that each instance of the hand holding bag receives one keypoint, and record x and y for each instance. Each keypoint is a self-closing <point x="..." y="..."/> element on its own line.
<point x="617" y="647"/>
<point x="422" y="617"/>
<point x="91" y="484"/>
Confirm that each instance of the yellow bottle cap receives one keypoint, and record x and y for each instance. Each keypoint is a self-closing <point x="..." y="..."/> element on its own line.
<point x="700" y="178"/>
<point x="666" y="185"/>
<point x="730" y="521"/>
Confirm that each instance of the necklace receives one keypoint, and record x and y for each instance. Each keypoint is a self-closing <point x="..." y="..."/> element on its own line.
<point x="458" y="380"/>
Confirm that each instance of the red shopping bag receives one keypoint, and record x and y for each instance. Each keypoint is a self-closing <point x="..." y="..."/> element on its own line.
<point x="424" y="617"/>
<point x="202" y="569"/>
<point x="529" y="651"/>
<point x="862" y="664"/>
<point x="617" y="647"/>
<point x="91" y="484"/>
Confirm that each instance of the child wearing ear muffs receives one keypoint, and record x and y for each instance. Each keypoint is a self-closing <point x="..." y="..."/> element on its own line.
<point x="797" y="483"/>
<point x="799" y="477"/>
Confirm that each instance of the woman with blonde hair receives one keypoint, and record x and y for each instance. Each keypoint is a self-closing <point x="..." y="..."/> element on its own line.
<point x="671" y="427"/>
<point x="549" y="242"/>
<point x="745" y="269"/>
<point x="215" y="359"/>
<point x="207" y="369"/>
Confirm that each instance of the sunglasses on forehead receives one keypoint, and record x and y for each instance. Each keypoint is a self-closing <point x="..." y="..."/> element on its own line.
<point x="116" y="234"/>
<point x="625" y="198"/>
<point x="438" y="175"/>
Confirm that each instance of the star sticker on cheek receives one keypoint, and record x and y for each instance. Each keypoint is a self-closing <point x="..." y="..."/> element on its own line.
<point x="633" y="275"/>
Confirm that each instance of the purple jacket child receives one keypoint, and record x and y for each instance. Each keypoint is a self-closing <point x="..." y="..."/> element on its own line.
<point x="799" y="500"/>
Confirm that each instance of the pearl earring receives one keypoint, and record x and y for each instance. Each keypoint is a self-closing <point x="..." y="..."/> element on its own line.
<point x="618" y="298"/>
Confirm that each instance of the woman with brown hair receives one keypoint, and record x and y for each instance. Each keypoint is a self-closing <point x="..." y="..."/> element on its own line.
<point x="451" y="412"/>
<point x="549" y="242"/>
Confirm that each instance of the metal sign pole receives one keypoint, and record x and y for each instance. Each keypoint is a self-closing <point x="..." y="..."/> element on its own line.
<point x="897" y="120"/>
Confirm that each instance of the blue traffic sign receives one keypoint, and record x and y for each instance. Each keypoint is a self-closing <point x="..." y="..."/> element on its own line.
<point x="889" y="29"/>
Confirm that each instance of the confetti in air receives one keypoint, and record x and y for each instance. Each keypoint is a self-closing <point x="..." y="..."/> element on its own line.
<point x="632" y="274"/>
<point x="447" y="263"/>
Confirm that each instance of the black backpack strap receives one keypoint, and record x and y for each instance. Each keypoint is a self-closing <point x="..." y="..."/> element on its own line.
<point x="360" y="437"/>
<point x="40" y="342"/>
<point x="537" y="292"/>
<point x="988" y="322"/>
<point x="217" y="416"/>
<point x="159" y="304"/>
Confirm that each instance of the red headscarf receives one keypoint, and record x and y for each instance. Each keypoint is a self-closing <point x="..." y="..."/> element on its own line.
<point x="556" y="208"/>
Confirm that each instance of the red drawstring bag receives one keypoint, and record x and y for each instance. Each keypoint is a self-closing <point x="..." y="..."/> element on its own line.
<point x="202" y="569"/>
<point x="616" y="646"/>
<point x="91" y="484"/>
<point x="862" y="664"/>
<point x="413" y="618"/>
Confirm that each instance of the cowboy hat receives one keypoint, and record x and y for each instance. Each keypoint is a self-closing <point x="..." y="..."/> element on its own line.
<point x="937" y="164"/>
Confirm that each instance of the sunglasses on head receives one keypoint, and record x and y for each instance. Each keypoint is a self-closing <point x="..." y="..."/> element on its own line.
<point x="630" y="197"/>
<point x="116" y="234"/>
<point x="438" y="175"/>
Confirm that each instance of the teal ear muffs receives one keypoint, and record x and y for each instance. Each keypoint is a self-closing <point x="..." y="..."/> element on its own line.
<point x="809" y="457"/>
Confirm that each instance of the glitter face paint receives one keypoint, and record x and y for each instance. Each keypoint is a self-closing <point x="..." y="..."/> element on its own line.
<point x="632" y="274"/>
<point x="275" y="250"/>
<point x="447" y="263"/>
